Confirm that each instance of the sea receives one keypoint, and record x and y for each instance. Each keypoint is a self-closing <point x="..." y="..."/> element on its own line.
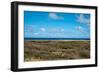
<point x="56" y="38"/>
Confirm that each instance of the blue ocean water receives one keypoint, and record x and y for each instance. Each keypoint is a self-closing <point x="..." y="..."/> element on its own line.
<point x="56" y="38"/>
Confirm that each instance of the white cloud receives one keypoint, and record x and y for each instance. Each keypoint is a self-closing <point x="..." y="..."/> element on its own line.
<point x="82" y="19"/>
<point x="62" y="30"/>
<point x="43" y="29"/>
<point x="79" y="28"/>
<point x="55" y="16"/>
<point x="35" y="33"/>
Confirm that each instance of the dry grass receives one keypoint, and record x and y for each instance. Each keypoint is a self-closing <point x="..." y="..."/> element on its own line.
<point x="56" y="50"/>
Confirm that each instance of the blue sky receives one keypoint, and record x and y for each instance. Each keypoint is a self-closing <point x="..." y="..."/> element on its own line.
<point x="56" y="25"/>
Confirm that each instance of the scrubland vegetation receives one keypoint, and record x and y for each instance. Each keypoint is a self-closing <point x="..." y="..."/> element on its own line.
<point x="39" y="50"/>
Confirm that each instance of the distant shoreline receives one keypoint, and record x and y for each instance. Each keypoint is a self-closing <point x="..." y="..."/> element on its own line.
<point x="58" y="39"/>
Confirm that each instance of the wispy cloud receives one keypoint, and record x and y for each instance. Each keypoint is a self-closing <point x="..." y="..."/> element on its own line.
<point x="56" y="30"/>
<point x="62" y="30"/>
<point x="55" y="16"/>
<point x="36" y="33"/>
<point x="80" y="29"/>
<point x="83" y="31"/>
<point x="29" y="28"/>
<point x="43" y="29"/>
<point x="82" y="19"/>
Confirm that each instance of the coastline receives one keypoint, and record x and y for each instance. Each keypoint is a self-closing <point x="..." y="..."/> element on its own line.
<point x="56" y="40"/>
